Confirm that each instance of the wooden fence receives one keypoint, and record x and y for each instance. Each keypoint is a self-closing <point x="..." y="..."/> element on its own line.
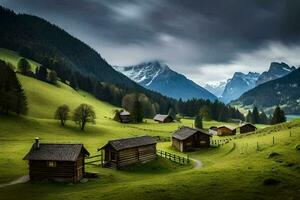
<point x="173" y="157"/>
<point x="93" y="160"/>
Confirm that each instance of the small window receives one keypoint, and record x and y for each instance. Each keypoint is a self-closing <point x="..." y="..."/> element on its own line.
<point x="51" y="164"/>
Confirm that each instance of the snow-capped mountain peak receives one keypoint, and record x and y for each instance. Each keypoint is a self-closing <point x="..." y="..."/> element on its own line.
<point x="159" y="77"/>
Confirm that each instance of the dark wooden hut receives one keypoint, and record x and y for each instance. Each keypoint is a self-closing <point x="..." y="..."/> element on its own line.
<point x="246" y="128"/>
<point x="190" y="139"/>
<point x="213" y="130"/>
<point x="226" y="130"/>
<point x="127" y="151"/>
<point x="58" y="162"/>
<point x="163" y="118"/>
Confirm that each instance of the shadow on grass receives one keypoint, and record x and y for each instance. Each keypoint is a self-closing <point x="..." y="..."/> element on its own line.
<point x="157" y="166"/>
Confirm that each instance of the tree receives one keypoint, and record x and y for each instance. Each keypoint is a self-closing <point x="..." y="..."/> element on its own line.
<point x="137" y="113"/>
<point x="23" y="66"/>
<point x="172" y="112"/>
<point x="41" y="73"/>
<point x="73" y="81"/>
<point x="62" y="113"/>
<point x="198" y="122"/>
<point x="52" y="77"/>
<point x="263" y="118"/>
<point x="205" y="113"/>
<point x="278" y="116"/>
<point x="83" y="114"/>
<point x="12" y="96"/>
<point x="249" y="116"/>
<point x="255" y="116"/>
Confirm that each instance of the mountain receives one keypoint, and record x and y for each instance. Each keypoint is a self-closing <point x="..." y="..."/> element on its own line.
<point x="217" y="89"/>
<point x="46" y="43"/>
<point x="238" y="84"/>
<point x="275" y="71"/>
<point x="159" y="77"/>
<point x="282" y="91"/>
<point x="74" y="61"/>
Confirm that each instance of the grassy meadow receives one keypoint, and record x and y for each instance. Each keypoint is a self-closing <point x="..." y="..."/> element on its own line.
<point x="236" y="170"/>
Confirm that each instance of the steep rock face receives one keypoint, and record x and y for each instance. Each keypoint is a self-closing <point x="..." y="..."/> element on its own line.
<point x="276" y="70"/>
<point x="159" y="77"/>
<point x="239" y="84"/>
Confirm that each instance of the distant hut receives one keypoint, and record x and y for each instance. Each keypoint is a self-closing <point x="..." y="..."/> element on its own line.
<point x="189" y="139"/>
<point x="163" y="118"/>
<point x="213" y="130"/>
<point x="246" y="128"/>
<point x="122" y="116"/>
<point x="58" y="162"/>
<point x="123" y="152"/>
<point x="226" y="130"/>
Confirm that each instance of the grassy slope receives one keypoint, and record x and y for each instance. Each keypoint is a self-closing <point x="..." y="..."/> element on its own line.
<point x="13" y="58"/>
<point x="228" y="173"/>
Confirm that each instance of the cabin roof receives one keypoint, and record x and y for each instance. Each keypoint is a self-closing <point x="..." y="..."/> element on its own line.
<point x="56" y="152"/>
<point x="124" y="112"/>
<point x="248" y="124"/>
<point x="185" y="132"/>
<point x="160" y="117"/>
<point x="227" y="126"/>
<point x="132" y="142"/>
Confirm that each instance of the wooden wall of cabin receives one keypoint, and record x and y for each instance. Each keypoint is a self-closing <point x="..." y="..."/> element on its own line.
<point x="62" y="171"/>
<point x="136" y="155"/>
<point x="176" y="144"/>
<point x="225" y="131"/>
<point x="247" y="129"/>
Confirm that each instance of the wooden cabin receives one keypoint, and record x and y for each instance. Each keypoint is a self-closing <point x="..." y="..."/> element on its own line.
<point x="163" y="118"/>
<point x="213" y="130"/>
<point x="122" y="116"/>
<point x="127" y="151"/>
<point x="57" y="162"/>
<point x="226" y="130"/>
<point x="247" y="128"/>
<point x="190" y="139"/>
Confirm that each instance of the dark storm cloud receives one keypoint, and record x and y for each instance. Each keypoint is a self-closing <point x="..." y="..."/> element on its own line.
<point x="198" y="32"/>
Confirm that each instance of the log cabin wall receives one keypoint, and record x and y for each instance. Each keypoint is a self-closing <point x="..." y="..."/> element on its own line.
<point x="136" y="155"/>
<point x="247" y="128"/>
<point x="63" y="170"/>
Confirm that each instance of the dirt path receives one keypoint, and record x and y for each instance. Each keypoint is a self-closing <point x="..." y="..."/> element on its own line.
<point x="198" y="163"/>
<point x="22" y="179"/>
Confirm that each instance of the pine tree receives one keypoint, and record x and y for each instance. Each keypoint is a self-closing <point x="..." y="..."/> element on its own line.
<point x="12" y="96"/>
<point x="41" y="73"/>
<point x="263" y="118"/>
<point x="278" y="116"/>
<point x="198" y="122"/>
<point x="255" y="116"/>
<point x="137" y="114"/>
<point x="249" y="116"/>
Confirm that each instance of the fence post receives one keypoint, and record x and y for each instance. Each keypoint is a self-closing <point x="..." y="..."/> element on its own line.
<point x="188" y="159"/>
<point x="273" y="140"/>
<point x="257" y="146"/>
<point x="290" y="133"/>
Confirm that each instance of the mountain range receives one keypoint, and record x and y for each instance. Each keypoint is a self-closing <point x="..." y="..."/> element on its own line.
<point x="159" y="77"/>
<point x="238" y="84"/>
<point x="241" y="83"/>
<point x="283" y="91"/>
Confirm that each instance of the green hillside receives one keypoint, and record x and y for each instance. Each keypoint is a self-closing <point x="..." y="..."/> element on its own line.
<point x="238" y="167"/>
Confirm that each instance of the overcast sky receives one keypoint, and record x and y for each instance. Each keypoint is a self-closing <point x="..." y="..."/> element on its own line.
<point x="206" y="40"/>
